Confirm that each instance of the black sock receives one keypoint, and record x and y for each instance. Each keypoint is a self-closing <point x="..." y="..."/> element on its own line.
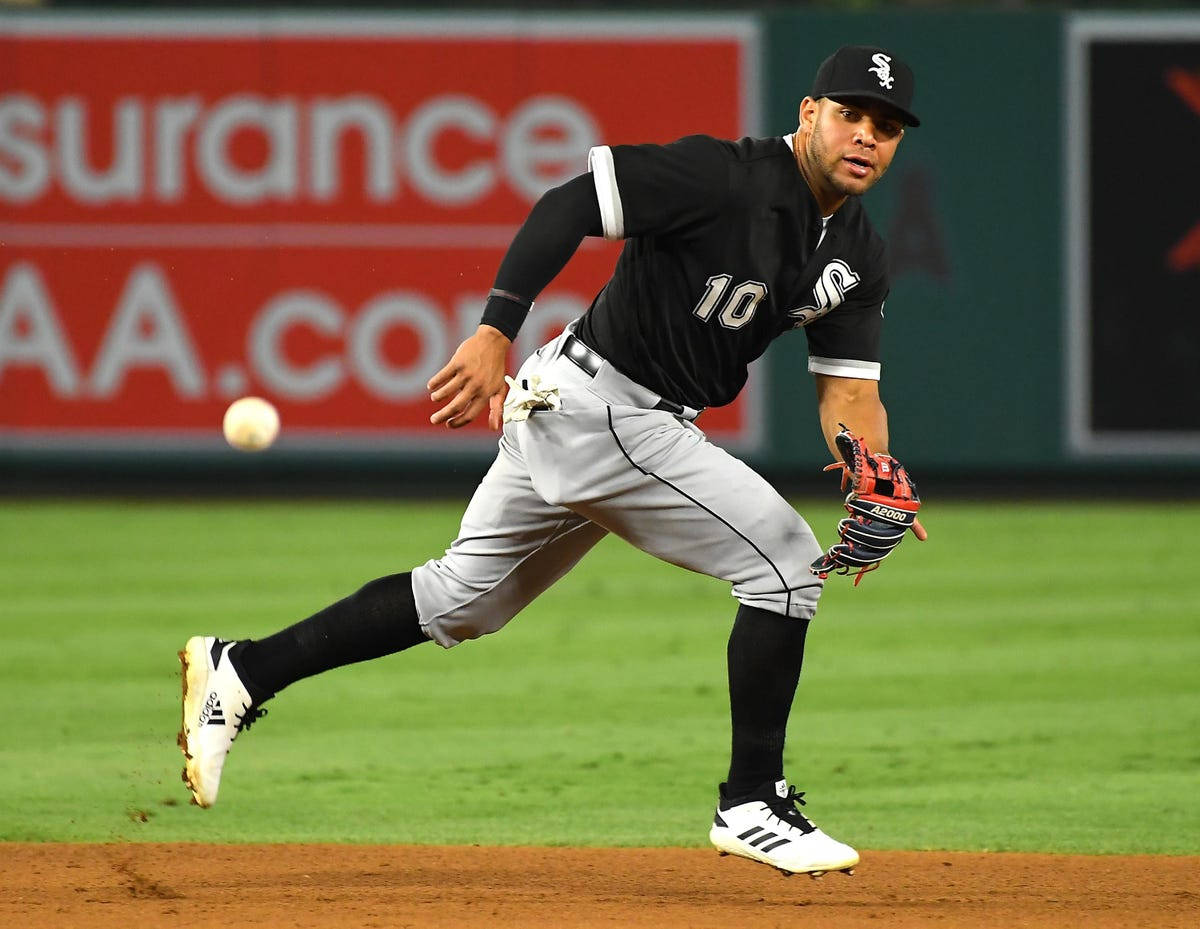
<point x="766" y="651"/>
<point x="379" y="619"/>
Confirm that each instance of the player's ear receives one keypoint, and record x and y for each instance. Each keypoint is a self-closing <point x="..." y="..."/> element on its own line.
<point x="808" y="113"/>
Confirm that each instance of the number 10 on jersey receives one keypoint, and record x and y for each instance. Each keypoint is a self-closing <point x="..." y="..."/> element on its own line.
<point x="737" y="305"/>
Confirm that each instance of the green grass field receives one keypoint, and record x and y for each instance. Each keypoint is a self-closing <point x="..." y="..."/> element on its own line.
<point x="1029" y="679"/>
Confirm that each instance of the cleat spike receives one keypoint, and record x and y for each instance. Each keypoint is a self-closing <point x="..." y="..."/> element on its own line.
<point x="849" y="872"/>
<point x="816" y="875"/>
<point x="722" y="853"/>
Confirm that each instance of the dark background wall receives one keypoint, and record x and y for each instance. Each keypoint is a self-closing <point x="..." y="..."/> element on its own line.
<point x="980" y="324"/>
<point x="971" y="210"/>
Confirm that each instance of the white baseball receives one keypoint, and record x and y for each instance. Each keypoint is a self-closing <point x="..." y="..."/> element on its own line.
<point x="251" y="424"/>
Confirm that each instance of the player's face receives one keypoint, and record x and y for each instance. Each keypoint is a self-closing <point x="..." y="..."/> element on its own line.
<point x="847" y="146"/>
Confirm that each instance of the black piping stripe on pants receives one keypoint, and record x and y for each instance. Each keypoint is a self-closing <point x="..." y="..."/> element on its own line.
<point x="779" y="574"/>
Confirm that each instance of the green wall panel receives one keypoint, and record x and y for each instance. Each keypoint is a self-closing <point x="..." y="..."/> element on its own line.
<point x="971" y="206"/>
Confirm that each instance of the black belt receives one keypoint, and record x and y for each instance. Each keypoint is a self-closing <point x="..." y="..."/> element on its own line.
<point x="589" y="363"/>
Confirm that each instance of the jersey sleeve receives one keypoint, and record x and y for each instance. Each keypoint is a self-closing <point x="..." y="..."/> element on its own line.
<point x="845" y="341"/>
<point x="659" y="189"/>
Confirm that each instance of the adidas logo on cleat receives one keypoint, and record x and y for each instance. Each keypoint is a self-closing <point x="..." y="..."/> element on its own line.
<point x="764" y="837"/>
<point x="212" y="714"/>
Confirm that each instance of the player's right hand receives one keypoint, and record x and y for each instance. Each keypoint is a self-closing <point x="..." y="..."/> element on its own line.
<point x="472" y="380"/>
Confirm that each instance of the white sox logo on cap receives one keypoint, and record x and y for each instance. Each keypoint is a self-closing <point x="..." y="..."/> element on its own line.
<point x="884" y="70"/>
<point x="867" y="72"/>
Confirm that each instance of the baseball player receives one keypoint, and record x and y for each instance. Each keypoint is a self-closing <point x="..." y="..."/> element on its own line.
<point x="727" y="246"/>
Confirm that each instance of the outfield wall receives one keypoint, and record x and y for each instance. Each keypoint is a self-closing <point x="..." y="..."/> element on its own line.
<point x="310" y="207"/>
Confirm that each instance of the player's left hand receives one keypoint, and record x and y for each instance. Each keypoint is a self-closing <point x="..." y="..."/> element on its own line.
<point x="882" y="503"/>
<point x="472" y="380"/>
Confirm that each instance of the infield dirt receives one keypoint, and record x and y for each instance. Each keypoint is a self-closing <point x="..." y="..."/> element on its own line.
<point x="366" y="886"/>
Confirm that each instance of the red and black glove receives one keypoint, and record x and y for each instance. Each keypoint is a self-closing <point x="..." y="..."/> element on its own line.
<point x="882" y="504"/>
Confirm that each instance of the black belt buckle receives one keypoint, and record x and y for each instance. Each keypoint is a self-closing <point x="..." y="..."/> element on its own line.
<point x="584" y="358"/>
<point x="589" y="363"/>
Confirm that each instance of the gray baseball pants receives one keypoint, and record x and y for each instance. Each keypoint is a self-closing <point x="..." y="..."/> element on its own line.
<point x="606" y="461"/>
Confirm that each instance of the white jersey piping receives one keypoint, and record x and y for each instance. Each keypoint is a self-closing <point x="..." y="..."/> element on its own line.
<point x="844" y="367"/>
<point x="604" y="176"/>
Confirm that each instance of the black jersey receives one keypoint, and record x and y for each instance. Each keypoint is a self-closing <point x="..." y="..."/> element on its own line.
<point x="724" y="253"/>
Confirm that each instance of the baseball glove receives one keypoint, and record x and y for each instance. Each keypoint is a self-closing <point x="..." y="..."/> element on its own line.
<point x="882" y="504"/>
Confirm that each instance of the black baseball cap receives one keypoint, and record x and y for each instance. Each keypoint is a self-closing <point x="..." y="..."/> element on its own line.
<point x="866" y="71"/>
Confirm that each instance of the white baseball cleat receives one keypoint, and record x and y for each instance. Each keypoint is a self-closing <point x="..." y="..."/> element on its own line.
<point x="766" y="826"/>
<point x="216" y="707"/>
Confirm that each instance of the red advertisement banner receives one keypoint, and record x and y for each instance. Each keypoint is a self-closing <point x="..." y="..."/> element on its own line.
<point x="306" y="208"/>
